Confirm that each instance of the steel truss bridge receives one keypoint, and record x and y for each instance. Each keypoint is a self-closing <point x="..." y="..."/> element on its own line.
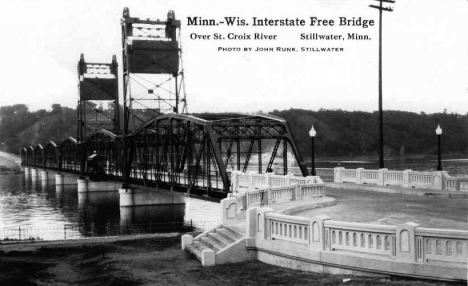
<point x="157" y="145"/>
<point x="194" y="153"/>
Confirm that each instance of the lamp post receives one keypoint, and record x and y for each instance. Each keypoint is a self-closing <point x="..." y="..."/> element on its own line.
<point x="312" y="134"/>
<point x="438" y="132"/>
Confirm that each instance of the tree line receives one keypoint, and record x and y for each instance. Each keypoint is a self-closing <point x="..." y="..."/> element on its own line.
<point x="20" y="127"/>
<point x="343" y="133"/>
<point x="340" y="133"/>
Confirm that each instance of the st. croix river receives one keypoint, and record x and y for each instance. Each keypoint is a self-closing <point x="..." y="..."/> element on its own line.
<point x="30" y="209"/>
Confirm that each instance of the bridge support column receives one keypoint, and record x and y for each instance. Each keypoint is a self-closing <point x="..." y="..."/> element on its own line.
<point x="34" y="177"/>
<point x="59" y="191"/>
<point x="44" y="180"/>
<point x="82" y="185"/>
<point x="26" y="172"/>
<point x="85" y="185"/>
<point x="44" y="175"/>
<point x="146" y="197"/>
<point x="65" y="179"/>
<point x="58" y="179"/>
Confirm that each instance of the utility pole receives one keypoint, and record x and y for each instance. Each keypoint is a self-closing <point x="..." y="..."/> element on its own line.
<point x="381" y="141"/>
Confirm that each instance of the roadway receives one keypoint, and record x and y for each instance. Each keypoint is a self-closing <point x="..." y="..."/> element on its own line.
<point x="393" y="209"/>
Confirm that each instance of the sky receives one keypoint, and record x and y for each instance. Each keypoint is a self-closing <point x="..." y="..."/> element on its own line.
<point x="425" y="54"/>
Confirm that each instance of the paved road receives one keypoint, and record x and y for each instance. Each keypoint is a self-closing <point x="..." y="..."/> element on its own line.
<point x="393" y="209"/>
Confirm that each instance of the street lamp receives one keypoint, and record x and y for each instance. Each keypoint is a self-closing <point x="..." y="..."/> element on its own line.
<point x="439" y="132"/>
<point x="312" y="134"/>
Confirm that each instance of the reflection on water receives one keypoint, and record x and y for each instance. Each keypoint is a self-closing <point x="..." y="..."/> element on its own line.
<point x="33" y="208"/>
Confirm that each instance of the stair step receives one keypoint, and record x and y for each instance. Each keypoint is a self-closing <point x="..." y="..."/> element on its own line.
<point x="229" y="233"/>
<point x="200" y="246"/>
<point x="195" y="251"/>
<point x="211" y="243"/>
<point x="223" y="240"/>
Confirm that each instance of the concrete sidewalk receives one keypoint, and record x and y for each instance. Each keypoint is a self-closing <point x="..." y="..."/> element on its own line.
<point x="399" y="190"/>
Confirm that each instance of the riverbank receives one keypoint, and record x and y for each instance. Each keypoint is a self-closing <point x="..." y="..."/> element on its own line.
<point x="10" y="161"/>
<point x="150" y="261"/>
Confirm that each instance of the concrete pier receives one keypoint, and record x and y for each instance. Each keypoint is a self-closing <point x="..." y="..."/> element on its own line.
<point x="66" y="179"/>
<point x="58" y="179"/>
<point x="44" y="184"/>
<point x="82" y="185"/>
<point x="85" y="185"/>
<point x="145" y="197"/>
<point x="33" y="179"/>
<point x="33" y="172"/>
<point x="99" y="200"/>
<point x="44" y="175"/>
<point x="59" y="192"/>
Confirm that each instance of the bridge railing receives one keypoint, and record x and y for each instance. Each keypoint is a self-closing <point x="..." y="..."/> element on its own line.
<point x="456" y="184"/>
<point x="288" y="228"/>
<point x="361" y="237"/>
<point x="269" y="196"/>
<point x="437" y="180"/>
<point x="438" y="245"/>
<point x="326" y="174"/>
<point x="408" y="243"/>
<point x="249" y="181"/>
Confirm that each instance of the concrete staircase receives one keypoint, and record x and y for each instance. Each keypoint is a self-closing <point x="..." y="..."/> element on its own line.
<point x="217" y="246"/>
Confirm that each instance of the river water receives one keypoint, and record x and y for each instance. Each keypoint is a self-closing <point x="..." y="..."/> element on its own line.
<point x="31" y="209"/>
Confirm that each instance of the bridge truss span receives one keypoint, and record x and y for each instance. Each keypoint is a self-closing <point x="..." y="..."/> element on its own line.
<point x="198" y="152"/>
<point x="103" y="153"/>
<point x="194" y="153"/>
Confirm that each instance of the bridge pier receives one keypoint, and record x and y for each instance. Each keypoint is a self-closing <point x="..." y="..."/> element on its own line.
<point x="82" y="185"/>
<point x="45" y="175"/>
<point x="34" y="177"/>
<point x="33" y="172"/>
<point x="91" y="200"/>
<point x="59" y="192"/>
<point x="85" y="185"/>
<point x="66" y="179"/>
<point x="44" y="183"/>
<point x="145" y="197"/>
<point x="26" y="171"/>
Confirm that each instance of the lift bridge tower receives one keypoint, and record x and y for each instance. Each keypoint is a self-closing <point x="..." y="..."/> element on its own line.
<point x="98" y="100"/>
<point x="153" y="78"/>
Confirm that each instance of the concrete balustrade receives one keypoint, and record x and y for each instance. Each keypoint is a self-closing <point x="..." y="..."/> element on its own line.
<point x="275" y="195"/>
<point x="249" y="181"/>
<point x="438" y="180"/>
<point x="228" y="211"/>
<point x="143" y="197"/>
<point x="322" y="244"/>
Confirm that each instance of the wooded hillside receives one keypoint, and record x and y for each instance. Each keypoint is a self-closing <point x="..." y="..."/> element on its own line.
<point x="20" y="127"/>
<point x="355" y="133"/>
<point x="339" y="132"/>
